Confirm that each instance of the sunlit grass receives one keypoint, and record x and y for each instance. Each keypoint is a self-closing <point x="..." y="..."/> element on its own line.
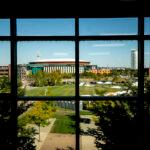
<point x="69" y="90"/>
<point x="65" y="122"/>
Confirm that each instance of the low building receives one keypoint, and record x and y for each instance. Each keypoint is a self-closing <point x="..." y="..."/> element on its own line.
<point x="100" y="71"/>
<point x="5" y="71"/>
<point x="64" y="65"/>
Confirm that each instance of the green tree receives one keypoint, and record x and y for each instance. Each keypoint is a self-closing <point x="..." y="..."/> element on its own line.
<point x="4" y="84"/>
<point x="39" y="114"/>
<point x="40" y="78"/>
<point x="55" y="77"/>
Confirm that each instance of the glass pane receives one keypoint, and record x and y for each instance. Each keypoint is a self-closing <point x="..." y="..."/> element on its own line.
<point x="147" y="26"/>
<point x="49" y="27"/>
<point x="51" y="124"/>
<point x="5" y="67"/>
<point x="46" y="68"/>
<point x="4" y="27"/>
<point x="102" y="127"/>
<point x="108" y="26"/>
<point x="111" y="69"/>
<point x="147" y="67"/>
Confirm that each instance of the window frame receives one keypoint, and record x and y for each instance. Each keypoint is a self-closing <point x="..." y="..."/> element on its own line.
<point x="14" y="38"/>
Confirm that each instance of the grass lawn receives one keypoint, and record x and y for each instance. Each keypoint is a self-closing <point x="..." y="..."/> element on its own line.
<point x="65" y="121"/>
<point x="61" y="90"/>
<point x="85" y="112"/>
<point x="68" y="90"/>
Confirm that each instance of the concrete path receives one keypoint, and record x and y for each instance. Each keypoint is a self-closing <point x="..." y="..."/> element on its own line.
<point x="44" y="131"/>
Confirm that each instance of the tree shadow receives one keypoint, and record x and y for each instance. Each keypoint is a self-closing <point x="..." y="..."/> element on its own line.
<point x="68" y="148"/>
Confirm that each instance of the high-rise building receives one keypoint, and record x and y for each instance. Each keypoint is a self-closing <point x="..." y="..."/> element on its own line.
<point x="134" y="59"/>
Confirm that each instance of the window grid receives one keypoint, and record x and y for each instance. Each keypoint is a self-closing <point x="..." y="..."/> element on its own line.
<point x="13" y="95"/>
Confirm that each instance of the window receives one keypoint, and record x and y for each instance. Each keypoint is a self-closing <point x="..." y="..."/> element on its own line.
<point x="77" y="76"/>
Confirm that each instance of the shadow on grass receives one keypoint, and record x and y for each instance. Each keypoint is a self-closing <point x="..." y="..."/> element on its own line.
<point x="68" y="148"/>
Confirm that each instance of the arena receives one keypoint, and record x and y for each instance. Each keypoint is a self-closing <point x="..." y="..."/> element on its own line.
<point x="64" y="65"/>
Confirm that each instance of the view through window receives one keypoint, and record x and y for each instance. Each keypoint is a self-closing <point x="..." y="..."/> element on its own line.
<point x="77" y="82"/>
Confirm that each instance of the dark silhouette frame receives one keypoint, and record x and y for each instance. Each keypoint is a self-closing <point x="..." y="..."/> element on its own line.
<point x="13" y="97"/>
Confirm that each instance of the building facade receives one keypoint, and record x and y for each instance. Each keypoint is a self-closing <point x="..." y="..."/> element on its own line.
<point x="100" y="71"/>
<point x="5" y="71"/>
<point x="22" y="71"/>
<point x="63" y="65"/>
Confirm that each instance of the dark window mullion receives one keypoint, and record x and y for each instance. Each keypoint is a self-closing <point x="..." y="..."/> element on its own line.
<point x="77" y="100"/>
<point x="140" y="100"/>
<point x="13" y="81"/>
<point x="109" y="37"/>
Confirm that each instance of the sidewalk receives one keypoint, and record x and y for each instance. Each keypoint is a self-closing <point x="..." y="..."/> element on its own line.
<point x="44" y="131"/>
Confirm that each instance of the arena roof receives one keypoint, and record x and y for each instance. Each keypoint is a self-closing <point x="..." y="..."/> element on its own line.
<point x="58" y="61"/>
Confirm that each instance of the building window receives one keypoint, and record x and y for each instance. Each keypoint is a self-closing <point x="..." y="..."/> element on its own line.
<point x="74" y="77"/>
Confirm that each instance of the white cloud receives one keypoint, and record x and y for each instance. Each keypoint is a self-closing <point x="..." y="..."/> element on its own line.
<point x="60" y="54"/>
<point x="109" y="45"/>
<point x="99" y="53"/>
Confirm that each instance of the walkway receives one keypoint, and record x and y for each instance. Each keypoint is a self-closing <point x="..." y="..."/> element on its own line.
<point x="43" y="134"/>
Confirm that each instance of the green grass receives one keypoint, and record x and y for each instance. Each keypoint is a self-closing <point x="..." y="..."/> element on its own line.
<point x="61" y="90"/>
<point x="85" y="112"/>
<point x="65" y="122"/>
<point x="69" y="90"/>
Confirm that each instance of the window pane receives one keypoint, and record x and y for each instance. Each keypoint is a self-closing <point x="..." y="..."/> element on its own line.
<point x="55" y="119"/>
<point x="111" y="69"/>
<point x="109" y="26"/>
<point x="147" y="66"/>
<point x="147" y="26"/>
<point x="102" y="127"/>
<point x="49" y="27"/>
<point x="47" y="68"/>
<point x="4" y="27"/>
<point x="5" y="67"/>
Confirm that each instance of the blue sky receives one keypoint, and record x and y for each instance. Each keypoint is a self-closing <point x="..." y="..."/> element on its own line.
<point x="4" y="53"/>
<point x="108" y="53"/>
<point x="102" y="53"/>
<point x="45" y="27"/>
<point x="28" y="51"/>
<point x="125" y="26"/>
<point x="4" y="27"/>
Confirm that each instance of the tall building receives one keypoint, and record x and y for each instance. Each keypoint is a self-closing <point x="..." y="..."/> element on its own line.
<point x="134" y="59"/>
<point x="22" y="71"/>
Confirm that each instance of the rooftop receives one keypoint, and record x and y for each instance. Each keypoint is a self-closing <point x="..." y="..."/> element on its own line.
<point x="58" y="60"/>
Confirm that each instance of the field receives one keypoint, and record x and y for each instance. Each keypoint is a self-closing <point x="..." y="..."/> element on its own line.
<point x="65" y="121"/>
<point x="68" y="90"/>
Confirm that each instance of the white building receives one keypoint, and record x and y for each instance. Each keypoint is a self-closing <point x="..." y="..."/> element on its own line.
<point x="134" y="59"/>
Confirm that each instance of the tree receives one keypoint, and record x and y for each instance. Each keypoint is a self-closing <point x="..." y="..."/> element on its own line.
<point x="20" y="90"/>
<point x="117" y="123"/>
<point x="116" y="126"/>
<point x="55" y="77"/>
<point x="4" y="84"/>
<point x="26" y="138"/>
<point x="39" y="114"/>
<point x="40" y="78"/>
